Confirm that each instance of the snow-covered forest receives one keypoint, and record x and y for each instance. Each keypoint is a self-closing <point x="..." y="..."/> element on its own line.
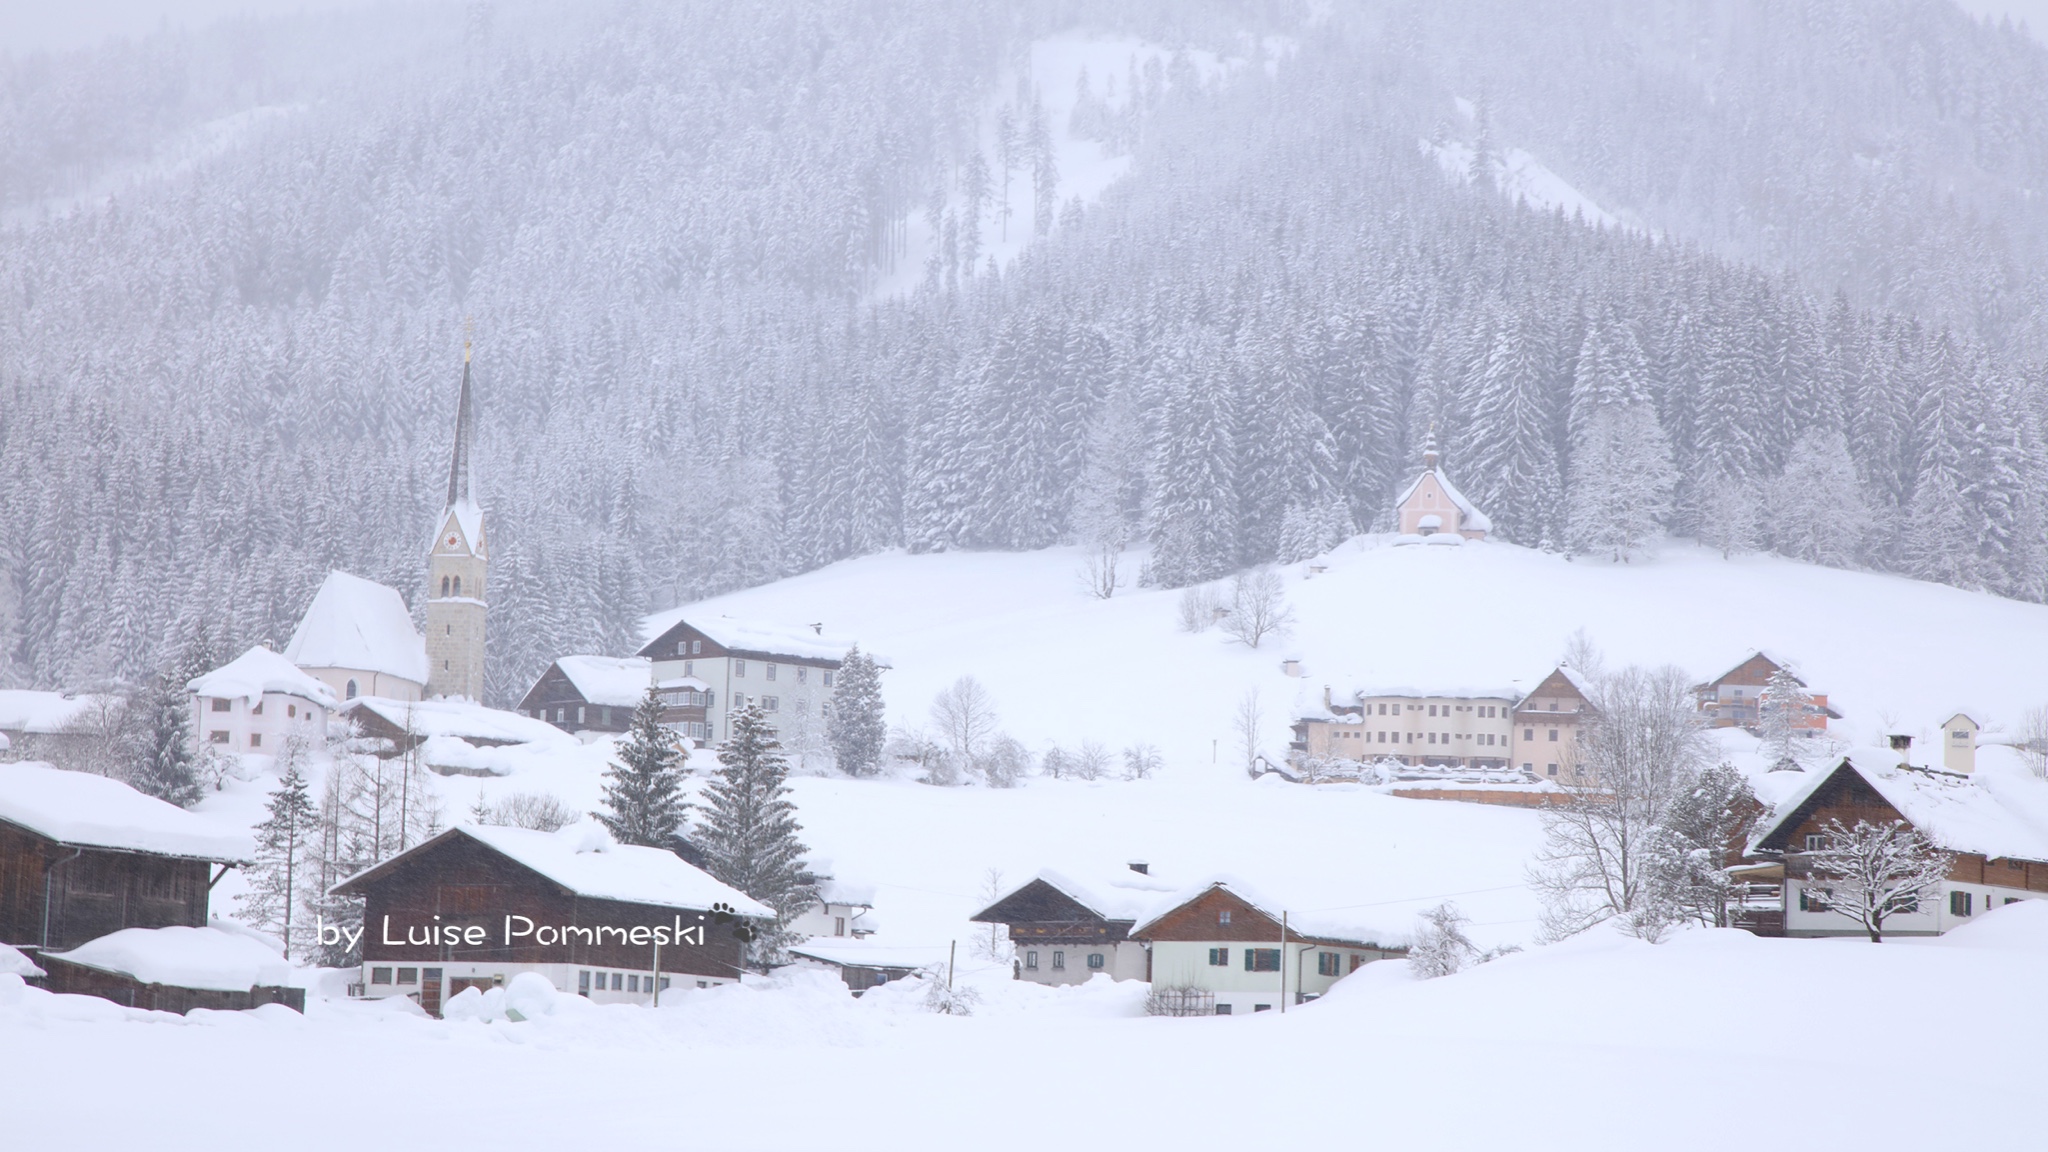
<point x="236" y="267"/>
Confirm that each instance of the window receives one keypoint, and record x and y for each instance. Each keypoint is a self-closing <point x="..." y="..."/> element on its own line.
<point x="1262" y="959"/>
<point x="1383" y="709"/>
<point x="1059" y="960"/>
<point x="1959" y="904"/>
<point x="221" y="705"/>
<point x="770" y="703"/>
<point x="1550" y="769"/>
<point x="579" y="713"/>
<point x="561" y="715"/>
<point x="803" y="674"/>
<point x="1223" y="1009"/>
<point x="1528" y="733"/>
<point x="1328" y="964"/>
<point x="255" y="739"/>
<point x="1357" y="962"/>
<point x="380" y="975"/>
<point x="1262" y="1007"/>
<point x="291" y="711"/>
<point x="1815" y="842"/>
<point x="696" y="647"/>
<point x="1031" y="961"/>
<point x="1219" y="957"/>
<point x="1553" y="735"/>
<point x="444" y="587"/>
<point x="703" y="983"/>
<point x="1095" y="961"/>
<point x="1813" y="899"/>
<point x="633" y="983"/>
<point x="828" y="677"/>
<point x="1223" y="917"/>
<point x="458" y="585"/>
<point x="664" y="983"/>
<point x="617" y="977"/>
<point x="217" y="736"/>
<point x="803" y="706"/>
<point x="739" y="669"/>
<point x="839" y="925"/>
<point x="583" y="983"/>
<point x="408" y="975"/>
<point x="1432" y="709"/>
<point x="771" y="672"/>
<point x="351" y="691"/>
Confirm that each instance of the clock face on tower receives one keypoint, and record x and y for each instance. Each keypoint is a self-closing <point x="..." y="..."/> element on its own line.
<point x="451" y="541"/>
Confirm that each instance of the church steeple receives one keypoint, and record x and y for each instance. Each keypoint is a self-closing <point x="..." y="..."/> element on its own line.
<point x="1429" y="456"/>
<point x="457" y="562"/>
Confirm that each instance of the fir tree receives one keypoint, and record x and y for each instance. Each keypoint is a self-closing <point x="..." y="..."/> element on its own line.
<point x="163" y="764"/>
<point x="858" y="729"/>
<point x="643" y="793"/>
<point x="749" y="832"/>
<point x="284" y="841"/>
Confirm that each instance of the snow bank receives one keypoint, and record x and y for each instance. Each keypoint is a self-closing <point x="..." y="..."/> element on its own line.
<point x="42" y="713"/>
<point x="356" y="623"/>
<point x="2022" y="927"/>
<point x="258" y="671"/>
<point x="206" y="958"/>
<point x="13" y="963"/>
<point x="93" y="811"/>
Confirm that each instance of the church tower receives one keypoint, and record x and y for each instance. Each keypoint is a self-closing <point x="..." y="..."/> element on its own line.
<point x="455" y="569"/>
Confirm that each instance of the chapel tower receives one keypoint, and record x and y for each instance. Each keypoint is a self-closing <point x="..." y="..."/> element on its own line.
<point x="455" y="569"/>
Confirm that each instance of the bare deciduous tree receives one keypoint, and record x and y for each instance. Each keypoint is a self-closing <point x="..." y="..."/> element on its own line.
<point x="965" y="717"/>
<point x="1099" y="567"/>
<point x="2033" y="740"/>
<point x="1871" y="872"/>
<point x="1258" y="607"/>
<point x="539" y="811"/>
<point x="1248" y="720"/>
<point x="1005" y="762"/>
<point x="1141" y="762"/>
<point x="1441" y="946"/>
<point x="1093" y="761"/>
<point x="1197" y="608"/>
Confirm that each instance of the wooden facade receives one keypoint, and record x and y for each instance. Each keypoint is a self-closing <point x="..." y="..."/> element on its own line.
<point x="442" y="890"/>
<point x="84" y="980"/>
<point x="57" y="896"/>
<point x="1848" y="798"/>
<point x="1203" y="919"/>
<point x="1731" y="700"/>
<point x="1039" y="913"/>
<point x="556" y="699"/>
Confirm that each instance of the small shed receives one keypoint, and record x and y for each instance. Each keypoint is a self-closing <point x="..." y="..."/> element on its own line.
<point x="176" y="969"/>
<point x="862" y="965"/>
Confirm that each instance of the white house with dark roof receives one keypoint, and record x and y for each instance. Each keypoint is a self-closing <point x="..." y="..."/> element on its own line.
<point x="1218" y="948"/>
<point x="256" y="702"/>
<point x="1433" y="510"/>
<point x="1995" y="820"/>
<point x="357" y="638"/>
<point x="714" y="665"/>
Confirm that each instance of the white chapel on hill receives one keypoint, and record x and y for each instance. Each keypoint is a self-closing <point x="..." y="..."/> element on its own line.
<point x="1430" y="506"/>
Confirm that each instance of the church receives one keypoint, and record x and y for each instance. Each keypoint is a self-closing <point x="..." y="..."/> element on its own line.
<point x="1431" y="510"/>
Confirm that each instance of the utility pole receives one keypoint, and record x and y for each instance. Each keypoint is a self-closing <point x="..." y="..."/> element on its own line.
<point x="657" y="972"/>
<point x="1283" y="961"/>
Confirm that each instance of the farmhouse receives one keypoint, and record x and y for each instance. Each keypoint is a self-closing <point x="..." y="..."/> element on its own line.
<point x="1731" y="700"/>
<point x="1065" y="931"/>
<point x="589" y="693"/>
<point x="713" y="665"/>
<point x="1996" y="823"/>
<point x="1215" y="949"/>
<point x="82" y="856"/>
<point x="1466" y="728"/>
<point x="476" y="906"/>
<point x="1546" y="725"/>
<point x="256" y="702"/>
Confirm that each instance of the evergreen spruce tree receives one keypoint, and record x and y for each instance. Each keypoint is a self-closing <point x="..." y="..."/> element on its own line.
<point x="162" y="763"/>
<point x="643" y="793"/>
<point x="857" y="728"/>
<point x="284" y="841"/>
<point x="749" y="832"/>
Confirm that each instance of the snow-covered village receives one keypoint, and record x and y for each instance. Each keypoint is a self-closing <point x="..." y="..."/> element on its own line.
<point x="1471" y="575"/>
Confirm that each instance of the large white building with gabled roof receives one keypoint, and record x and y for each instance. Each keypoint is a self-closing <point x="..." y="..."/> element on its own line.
<point x="357" y="638"/>
<point x="707" y="666"/>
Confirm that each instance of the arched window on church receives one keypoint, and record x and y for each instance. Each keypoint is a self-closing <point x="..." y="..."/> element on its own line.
<point x="351" y="690"/>
<point x="444" y="587"/>
<point x="458" y="585"/>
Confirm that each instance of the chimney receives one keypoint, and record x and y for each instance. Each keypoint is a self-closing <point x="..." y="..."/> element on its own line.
<point x="818" y="628"/>
<point x="1141" y="867"/>
<point x="1903" y="745"/>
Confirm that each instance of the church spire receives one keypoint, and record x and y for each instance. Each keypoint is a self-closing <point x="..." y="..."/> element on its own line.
<point x="460" y="490"/>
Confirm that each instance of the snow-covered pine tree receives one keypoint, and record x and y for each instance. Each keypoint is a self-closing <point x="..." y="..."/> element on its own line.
<point x="1194" y="495"/>
<point x="749" y="831"/>
<point x="1782" y="710"/>
<point x="643" y="792"/>
<point x="858" y="729"/>
<point x="1705" y="826"/>
<point x="1817" y="511"/>
<point x="285" y="842"/>
<point x="1511" y="467"/>
<point x="162" y="763"/>
<point x="1621" y="481"/>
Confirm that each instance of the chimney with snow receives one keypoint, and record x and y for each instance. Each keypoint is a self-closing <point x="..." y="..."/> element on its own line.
<point x="1141" y="867"/>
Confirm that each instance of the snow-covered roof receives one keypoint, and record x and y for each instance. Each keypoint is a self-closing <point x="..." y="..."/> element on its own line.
<point x="2000" y="814"/>
<point x="1442" y="691"/>
<point x="861" y="953"/>
<point x="462" y="719"/>
<point x="13" y="963"/>
<point x="259" y="671"/>
<point x="685" y="682"/>
<point x="768" y="639"/>
<point x="1353" y="926"/>
<point x="96" y="812"/>
<point x="616" y="680"/>
<point x="207" y="958"/>
<point x="25" y="710"/>
<point x="1125" y="896"/>
<point x="834" y="889"/>
<point x="585" y="859"/>
<point x="1474" y="519"/>
<point x="357" y="623"/>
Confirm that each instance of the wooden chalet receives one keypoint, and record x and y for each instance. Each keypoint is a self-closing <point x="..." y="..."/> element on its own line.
<point x="475" y="906"/>
<point x="1999" y="838"/>
<point x="1731" y="700"/>
<point x="1219" y="948"/>
<point x="589" y="693"/>
<point x="82" y="856"/>
<point x="1065" y="932"/>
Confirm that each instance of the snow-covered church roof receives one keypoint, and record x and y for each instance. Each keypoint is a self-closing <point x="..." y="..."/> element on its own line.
<point x="1474" y="519"/>
<point x="256" y="672"/>
<point x="95" y="812"/>
<point x="358" y="623"/>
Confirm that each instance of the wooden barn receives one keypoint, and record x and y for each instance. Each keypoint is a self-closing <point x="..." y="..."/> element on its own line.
<point x="477" y="905"/>
<point x="82" y="856"/>
<point x="589" y="693"/>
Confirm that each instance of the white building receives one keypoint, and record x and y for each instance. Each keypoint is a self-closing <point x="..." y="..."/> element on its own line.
<point x="357" y="638"/>
<point x="845" y="908"/>
<point x="714" y="665"/>
<point x="1215" y="949"/>
<point x="1456" y="728"/>
<point x="256" y="703"/>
